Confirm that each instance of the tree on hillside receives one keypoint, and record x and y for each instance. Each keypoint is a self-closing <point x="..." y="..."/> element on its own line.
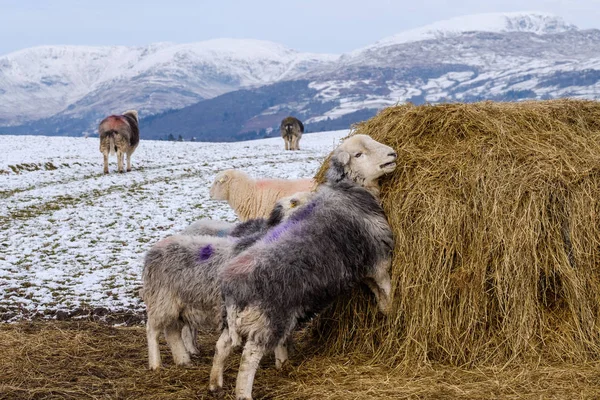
<point x="171" y="138"/>
<point x="180" y="138"/>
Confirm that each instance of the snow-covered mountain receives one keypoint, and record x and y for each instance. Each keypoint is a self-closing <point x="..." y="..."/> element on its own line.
<point x="508" y="56"/>
<point x="75" y="81"/>
<point x="533" y="22"/>
<point x="528" y="56"/>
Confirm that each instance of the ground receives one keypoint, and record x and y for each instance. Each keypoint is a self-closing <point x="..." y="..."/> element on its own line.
<point x="72" y="239"/>
<point x="72" y="242"/>
<point x="89" y="360"/>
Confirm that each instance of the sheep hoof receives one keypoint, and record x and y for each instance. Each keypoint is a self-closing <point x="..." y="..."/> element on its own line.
<point x="283" y="368"/>
<point x="185" y="365"/>
<point x="217" y="392"/>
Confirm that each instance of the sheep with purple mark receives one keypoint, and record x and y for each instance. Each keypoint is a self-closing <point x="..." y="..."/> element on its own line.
<point x="248" y="232"/>
<point x="180" y="283"/>
<point x="329" y="245"/>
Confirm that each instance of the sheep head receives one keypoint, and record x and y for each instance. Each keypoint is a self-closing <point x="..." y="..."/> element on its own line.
<point x="219" y="190"/>
<point x="362" y="160"/>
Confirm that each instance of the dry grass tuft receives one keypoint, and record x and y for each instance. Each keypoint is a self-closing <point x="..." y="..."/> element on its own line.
<point x="496" y="213"/>
<point x="87" y="360"/>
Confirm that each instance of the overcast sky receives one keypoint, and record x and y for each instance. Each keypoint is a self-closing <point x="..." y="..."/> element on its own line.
<point x="326" y="26"/>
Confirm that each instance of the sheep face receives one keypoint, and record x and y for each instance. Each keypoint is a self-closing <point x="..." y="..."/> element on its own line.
<point x="363" y="159"/>
<point x="220" y="187"/>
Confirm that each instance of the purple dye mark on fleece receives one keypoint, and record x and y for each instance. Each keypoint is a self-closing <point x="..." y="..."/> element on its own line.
<point x="277" y="231"/>
<point x="304" y="212"/>
<point x="301" y="214"/>
<point x="205" y="253"/>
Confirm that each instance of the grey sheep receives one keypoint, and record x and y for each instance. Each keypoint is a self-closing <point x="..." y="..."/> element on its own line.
<point x="119" y="134"/>
<point x="209" y="227"/>
<point x="326" y="247"/>
<point x="291" y="129"/>
<point x="180" y="285"/>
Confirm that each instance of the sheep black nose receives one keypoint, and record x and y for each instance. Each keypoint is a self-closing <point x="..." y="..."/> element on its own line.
<point x="395" y="155"/>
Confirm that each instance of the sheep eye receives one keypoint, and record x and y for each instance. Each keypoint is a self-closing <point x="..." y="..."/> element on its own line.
<point x="358" y="155"/>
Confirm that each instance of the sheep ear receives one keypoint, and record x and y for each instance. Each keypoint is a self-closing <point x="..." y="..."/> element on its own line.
<point x="343" y="158"/>
<point x="276" y="215"/>
<point x="224" y="178"/>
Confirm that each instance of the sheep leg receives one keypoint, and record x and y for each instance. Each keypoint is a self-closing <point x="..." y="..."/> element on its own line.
<point x="381" y="286"/>
<point x="105" y="162"/>
<point x="222" y="351"/>
<point x="120" y="157"/>
<point x="253" y="352"/>
<point x="281" y="354"/>
<point x="294" y="143"/>
<point x="128" y="162"/>
<point x="173" y="336"/>
<point x="287" y="143"/>
<point x="152" y="333"/>
<point x="189" y="334"/>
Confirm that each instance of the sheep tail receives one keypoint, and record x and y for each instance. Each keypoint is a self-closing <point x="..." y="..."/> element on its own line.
<point x="113" y="147"/>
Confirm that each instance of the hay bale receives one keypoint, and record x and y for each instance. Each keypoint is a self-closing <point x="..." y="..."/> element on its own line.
<point x="495" y="209"/>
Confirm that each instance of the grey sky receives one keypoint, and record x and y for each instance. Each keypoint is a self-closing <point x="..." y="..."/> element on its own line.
<point x="332" y="26"/>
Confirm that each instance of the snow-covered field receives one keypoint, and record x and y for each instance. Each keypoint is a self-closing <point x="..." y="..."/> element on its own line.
<point x="72" y="239"/>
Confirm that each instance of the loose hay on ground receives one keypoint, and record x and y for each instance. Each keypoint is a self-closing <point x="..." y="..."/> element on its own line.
<point x="495" y="209"/>
<point x="87" y="360"/>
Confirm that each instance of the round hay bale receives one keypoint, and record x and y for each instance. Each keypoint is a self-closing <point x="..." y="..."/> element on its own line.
<point x="495" y="209"/>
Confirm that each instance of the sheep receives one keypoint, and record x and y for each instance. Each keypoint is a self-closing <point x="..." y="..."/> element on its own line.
<point x="323" y="249"/>
<point x="249" y="230"/>
<point x="119" y="134"/>
<point x="180" y="286"/>
<point x="209" y="227"/>
<point x="251" y="198"/>
<point x="291" y="129"/>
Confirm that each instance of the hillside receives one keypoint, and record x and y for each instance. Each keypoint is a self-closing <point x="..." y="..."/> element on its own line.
<point x="72" y="240"/>
<point x="505" y="57"/>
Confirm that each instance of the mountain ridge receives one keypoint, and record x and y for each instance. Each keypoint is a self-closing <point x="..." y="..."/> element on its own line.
<point x="520" y="56"/>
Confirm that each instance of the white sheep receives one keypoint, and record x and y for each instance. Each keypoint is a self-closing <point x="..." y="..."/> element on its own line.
<point x="252" y="198"/>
